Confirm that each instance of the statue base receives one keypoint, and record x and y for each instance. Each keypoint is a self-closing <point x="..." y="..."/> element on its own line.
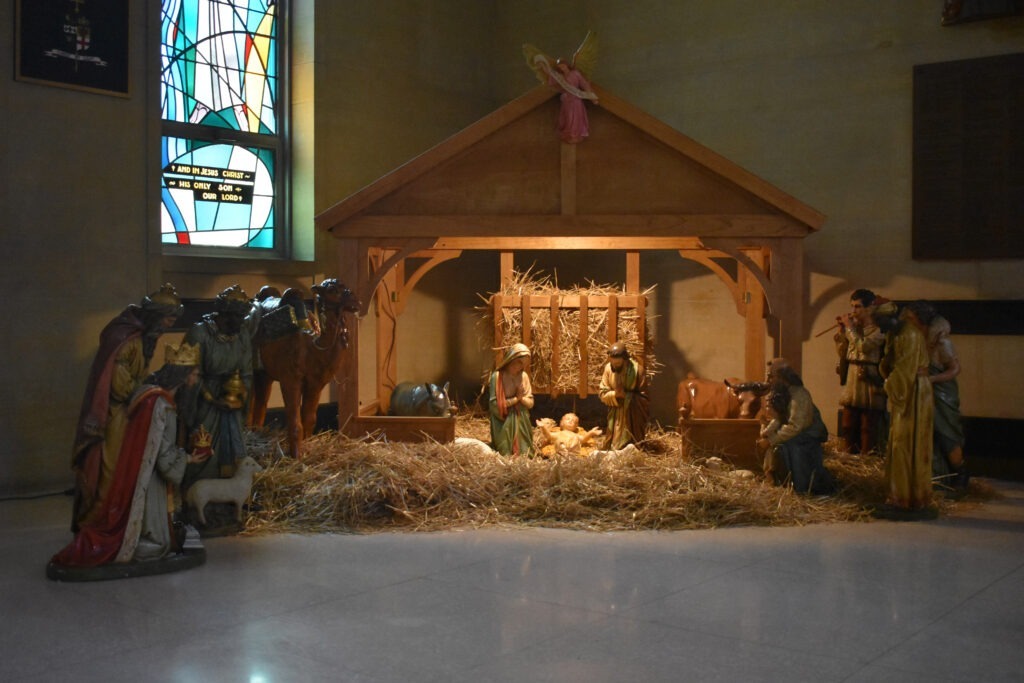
<point x="898" y="514"/>
<point x="187" y="559"/>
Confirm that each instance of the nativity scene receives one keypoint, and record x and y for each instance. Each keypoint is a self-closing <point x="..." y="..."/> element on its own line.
<point x="578" y="168"/>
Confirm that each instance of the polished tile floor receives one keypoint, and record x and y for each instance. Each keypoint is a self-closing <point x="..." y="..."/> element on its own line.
<point x="880" y="601"/>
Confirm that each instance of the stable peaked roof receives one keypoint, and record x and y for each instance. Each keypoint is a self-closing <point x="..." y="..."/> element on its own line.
<point x="508" y="174"/>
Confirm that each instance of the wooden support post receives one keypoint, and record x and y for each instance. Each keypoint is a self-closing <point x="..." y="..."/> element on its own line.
<point x="498" y="314"/>
<point x="754" y="319"/>
<point x="507" y="268"/>
<point x="555" y="351"/>
<point x="527" y="316"/>
<point x="584" y="338"/>
<point x="612" y="329"/>
<point x="787" y="267"/>
<point x="389" y="305"/>
<point x="632" y="272"/>
<point x="641" y="327"/>
<point x="353" y="267"/>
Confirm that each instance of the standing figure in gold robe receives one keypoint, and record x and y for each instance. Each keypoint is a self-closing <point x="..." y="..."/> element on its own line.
<point x="908" y="462"/>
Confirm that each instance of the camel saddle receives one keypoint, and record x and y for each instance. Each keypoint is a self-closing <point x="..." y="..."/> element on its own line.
<point x="280" y="314"/>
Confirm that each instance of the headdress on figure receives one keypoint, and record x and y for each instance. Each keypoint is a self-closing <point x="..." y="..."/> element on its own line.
<point x="886" y="308"/>
<point x="164" y="302"/>
<point x="515" y="351"/>
<point x="186" y="354"/>
<point x="233" y="299"/>
<point x="618" y="350"/>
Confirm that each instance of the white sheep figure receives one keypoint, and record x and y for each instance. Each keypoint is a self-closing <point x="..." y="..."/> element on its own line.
<point x="234" y="490"/>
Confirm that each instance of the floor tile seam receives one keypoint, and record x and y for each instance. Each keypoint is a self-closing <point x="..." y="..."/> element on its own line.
<point x="117" y="650"/>
<point x="963" y="601"/>
<point x="45" y="496"/>
<point x="754" y="565"/>
<point x="628" y="614"/>
<point x="407" y="579"/>
<point x="579" y="630"/>
<point x="737" y="639"/>
<point x="301" y="655"/>
<point x="292" y="610"/>
<point x="434" y="574"/>
<point x="847" y="578"/>
<point x="898" y="641"/>
<point x="140" y="607"/>
<point x="525" y="649"/>
<point x="688" y="588"/>
<point x="699" y="555"/>
<point x="568" y="632"/>
<point x="382" y="587"/>
<point x="931" y="675"/>
<point x="20" y="538"/>
<point x="507" y="596"/>
<point x="65" y="669"/>
<point x="71" y="598"/>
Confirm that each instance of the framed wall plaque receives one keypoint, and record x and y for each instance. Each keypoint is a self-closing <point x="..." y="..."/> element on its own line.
<point x="81" y="44"/>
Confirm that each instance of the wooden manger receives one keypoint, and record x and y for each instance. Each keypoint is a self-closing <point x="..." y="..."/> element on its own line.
<point x="569" y="335"/>
<point x="403" y="428"/>
<point x="732" y="439"/>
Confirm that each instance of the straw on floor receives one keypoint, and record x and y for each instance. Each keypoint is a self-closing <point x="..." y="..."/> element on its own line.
<point x="361" y="485"/>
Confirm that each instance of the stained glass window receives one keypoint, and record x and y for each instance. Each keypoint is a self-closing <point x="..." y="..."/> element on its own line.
<point x="221" y="148"/>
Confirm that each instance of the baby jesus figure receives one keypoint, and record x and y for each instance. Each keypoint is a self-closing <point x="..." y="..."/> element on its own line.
<point x="568" y="439"/>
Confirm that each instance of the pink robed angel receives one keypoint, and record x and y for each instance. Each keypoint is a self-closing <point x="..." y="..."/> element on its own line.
<point x="571" y="79"/>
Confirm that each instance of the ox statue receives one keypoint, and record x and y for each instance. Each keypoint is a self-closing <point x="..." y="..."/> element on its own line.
<point x="705" y="398"/>
<point x="421" y="400"/>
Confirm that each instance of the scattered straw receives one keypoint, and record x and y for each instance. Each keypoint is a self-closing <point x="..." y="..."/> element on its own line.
<point x="360" y="485"/>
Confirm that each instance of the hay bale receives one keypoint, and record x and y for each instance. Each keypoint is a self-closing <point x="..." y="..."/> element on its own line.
<point x="628" y="330"/>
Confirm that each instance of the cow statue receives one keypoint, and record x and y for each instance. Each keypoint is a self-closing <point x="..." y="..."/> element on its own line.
<point x="412" y="399"/>
<point x="731" y="398"/>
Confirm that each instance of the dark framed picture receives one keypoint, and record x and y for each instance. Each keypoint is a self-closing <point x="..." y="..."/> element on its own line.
<point x="81" y="44"/>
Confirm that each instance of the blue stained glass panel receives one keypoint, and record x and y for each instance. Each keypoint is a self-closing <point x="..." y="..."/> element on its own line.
<point x="219" y="69"/>
<point x="217" y="194"/>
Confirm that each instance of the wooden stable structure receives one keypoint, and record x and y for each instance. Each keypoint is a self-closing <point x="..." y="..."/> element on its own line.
<point x="507" y="183"/>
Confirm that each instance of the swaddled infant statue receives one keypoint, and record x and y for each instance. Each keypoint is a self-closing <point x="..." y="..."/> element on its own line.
<point x="421" y="400"/>
<point x="568" y="438"/>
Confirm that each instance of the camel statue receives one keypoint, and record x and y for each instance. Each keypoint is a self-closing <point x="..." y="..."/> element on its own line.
<point x="302" y="362"/>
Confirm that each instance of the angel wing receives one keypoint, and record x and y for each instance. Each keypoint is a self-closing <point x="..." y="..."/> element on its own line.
<point x="539" y="62"/>
<point x="585" y="57"/>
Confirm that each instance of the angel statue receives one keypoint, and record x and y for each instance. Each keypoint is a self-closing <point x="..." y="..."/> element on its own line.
<point x="571" y="79"/>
